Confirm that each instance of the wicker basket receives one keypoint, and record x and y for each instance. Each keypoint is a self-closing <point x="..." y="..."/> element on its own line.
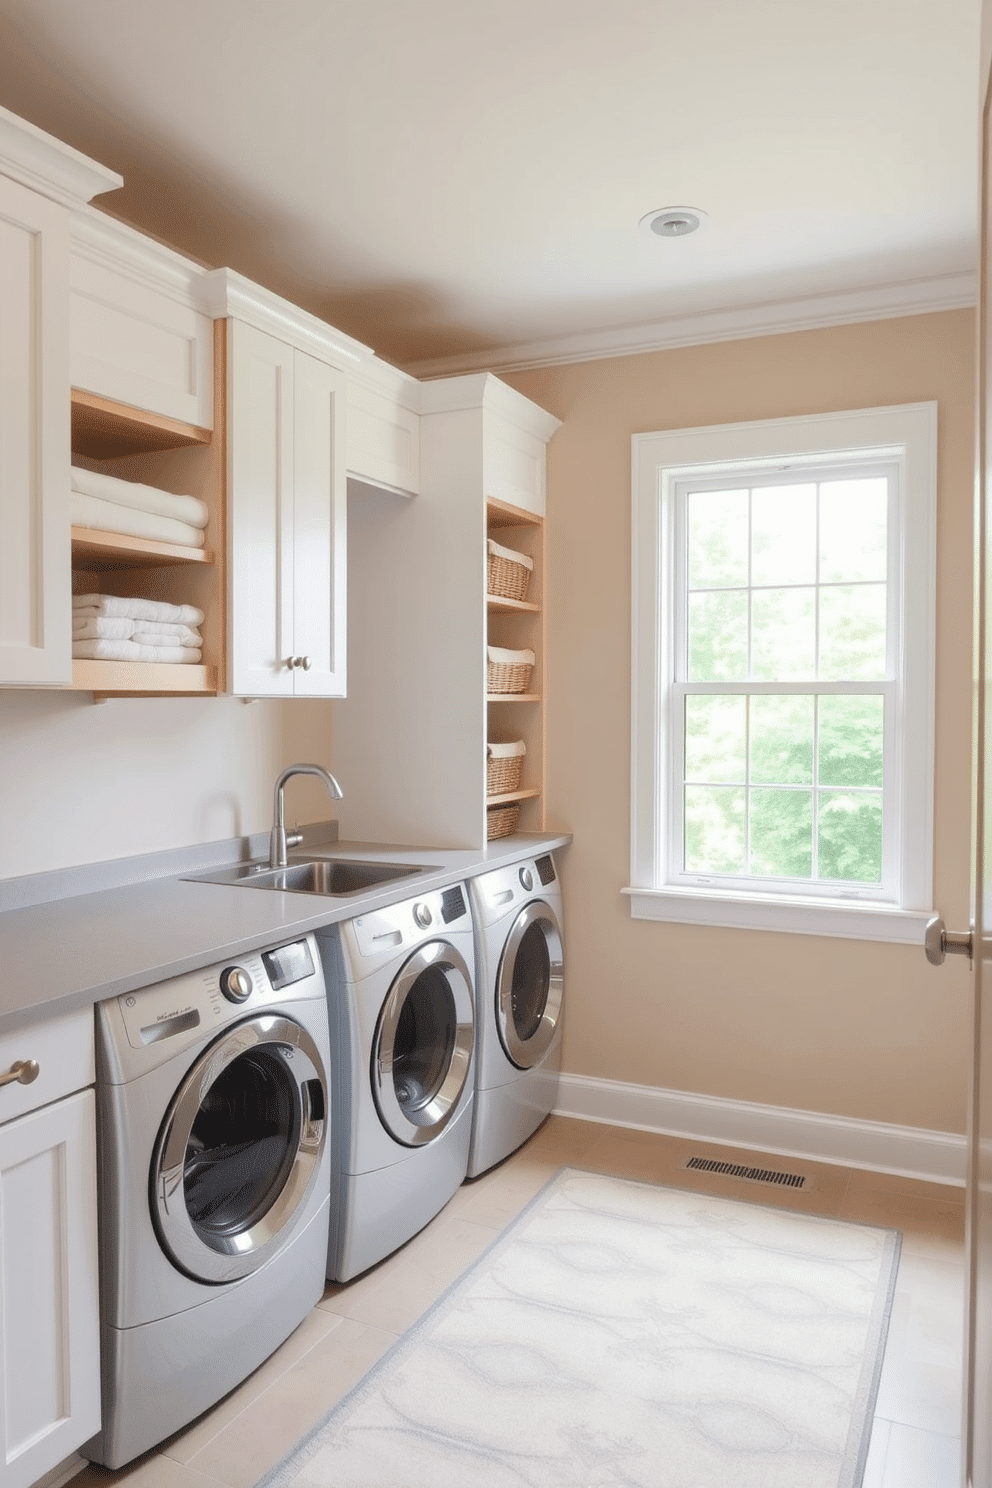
<point x="503" y="774"/>
<point x="505" y="579"/>
<point x="502" y="677"/>
<point x="501" y="821"/>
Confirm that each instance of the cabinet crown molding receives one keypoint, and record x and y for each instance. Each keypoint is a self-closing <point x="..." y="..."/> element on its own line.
<point x="124" y="250"/>
<point x="222" y="292"/>
<point x="39" y="161"/>
<point x="483" y="390"/>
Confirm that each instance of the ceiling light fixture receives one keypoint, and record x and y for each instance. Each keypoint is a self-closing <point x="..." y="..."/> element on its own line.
<point x="672" y="222"/>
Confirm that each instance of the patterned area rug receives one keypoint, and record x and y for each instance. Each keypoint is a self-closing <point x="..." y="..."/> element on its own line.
<point x="624" y="1334"/>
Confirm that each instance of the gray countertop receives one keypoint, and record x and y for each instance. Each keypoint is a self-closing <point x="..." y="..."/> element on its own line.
<point x="73" y="951"/>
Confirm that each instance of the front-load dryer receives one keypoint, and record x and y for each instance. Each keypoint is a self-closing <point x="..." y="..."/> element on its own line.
<point x="521" y="981"/>
<point x="400" y="987"/>
<point x="213" y="1097"/>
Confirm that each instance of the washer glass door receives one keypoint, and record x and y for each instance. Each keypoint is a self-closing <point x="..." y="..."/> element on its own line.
<point x="422" y="1051"/>
<point x="239" y="1149"/>
<point x="529" y="985"/>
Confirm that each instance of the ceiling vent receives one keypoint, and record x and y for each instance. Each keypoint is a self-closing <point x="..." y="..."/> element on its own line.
<point x="672" y="222"/>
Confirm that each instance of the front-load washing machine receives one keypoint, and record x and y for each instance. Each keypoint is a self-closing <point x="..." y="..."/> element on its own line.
<point x="400" y="989"/>
<point x="521" y="980"/>
<point x="213" y="1097"/>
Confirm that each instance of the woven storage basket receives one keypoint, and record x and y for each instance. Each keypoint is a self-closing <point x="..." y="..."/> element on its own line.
<point x="501" y="821"/>
<point x="503" y="774"/>
<point x="502" y="677"/>
<point x="505" y="579"/>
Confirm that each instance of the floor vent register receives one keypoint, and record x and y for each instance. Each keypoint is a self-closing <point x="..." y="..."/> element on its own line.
<point x="738" y="1170"/>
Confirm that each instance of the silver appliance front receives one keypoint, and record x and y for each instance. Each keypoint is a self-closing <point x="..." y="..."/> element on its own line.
<point x="422" y="1051"/>
<point x="239" y="1149"/>
<point x="530" y="984"/>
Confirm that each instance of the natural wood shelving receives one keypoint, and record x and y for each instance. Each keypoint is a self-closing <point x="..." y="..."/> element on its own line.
<point x="142" y="678"/>
<point x="99" y="551"/>
<point x="138" y="445"/>
<point x="105" y="430"/>
<point x="531" y="793"/>
<point x="499" y="606"/>
<point x="513" y="697"/>
<point x="502" y="514"/>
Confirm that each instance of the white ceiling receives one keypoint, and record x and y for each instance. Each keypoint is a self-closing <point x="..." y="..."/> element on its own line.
<point x="459" y="184"/>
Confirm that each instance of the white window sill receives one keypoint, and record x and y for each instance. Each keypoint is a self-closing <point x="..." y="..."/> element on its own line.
<point x="736" y="911"/>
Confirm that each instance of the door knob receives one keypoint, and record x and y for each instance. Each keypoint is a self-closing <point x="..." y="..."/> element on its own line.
<point x="939" y="942"/>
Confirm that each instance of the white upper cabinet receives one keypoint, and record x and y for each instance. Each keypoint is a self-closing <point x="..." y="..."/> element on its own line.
<point x="40" y="180"/>
<point x="384" y="429"/>
<point x="287" y="529"/>
<point x="135" y="336"/>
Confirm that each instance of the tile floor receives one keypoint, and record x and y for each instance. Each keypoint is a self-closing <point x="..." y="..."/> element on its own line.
<point x="915" y="1439"/>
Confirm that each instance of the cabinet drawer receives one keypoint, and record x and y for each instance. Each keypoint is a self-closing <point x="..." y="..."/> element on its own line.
<point x="63" y="1049"/>
<point x="132" y="344"/>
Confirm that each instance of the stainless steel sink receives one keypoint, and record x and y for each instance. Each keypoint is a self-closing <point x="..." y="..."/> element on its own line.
<point x="336" y="877"/>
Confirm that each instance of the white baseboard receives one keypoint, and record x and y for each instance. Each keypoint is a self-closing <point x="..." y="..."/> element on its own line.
<point x="63" y="1472"/>
<point x="910" y="1151"/>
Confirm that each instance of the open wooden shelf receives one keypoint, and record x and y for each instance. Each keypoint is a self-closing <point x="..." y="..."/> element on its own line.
<point x="500" y="606"/>
<point x="104" y="430"/>
<point x="142" y="678"/>
<point x="100" y="551"/>
<point x="513" y="697"/>
<point x="502" y="514"/>
<point x="518" y="795"/>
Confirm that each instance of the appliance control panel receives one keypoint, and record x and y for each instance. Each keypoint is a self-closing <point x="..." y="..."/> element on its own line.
<point x="208" y="999"/>
<point x="414" y="920"/>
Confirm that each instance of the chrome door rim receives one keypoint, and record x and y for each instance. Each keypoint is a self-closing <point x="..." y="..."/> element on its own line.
<point x="240" y="1254"/>
<point x="439" y="1110"/>
<point x="525" y="1053"/>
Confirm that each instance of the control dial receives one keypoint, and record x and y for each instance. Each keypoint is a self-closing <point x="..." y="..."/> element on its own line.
<point x="422" y="915"/>
<point x="235" y="983"/>
<point x="526" y="879"/>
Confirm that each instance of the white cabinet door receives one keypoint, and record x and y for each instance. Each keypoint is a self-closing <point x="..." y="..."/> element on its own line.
<point x="287" y="493"/>
<point x="49" y="1301"/>
<point x="35" y="583"/>
<point x="320" y="536"/>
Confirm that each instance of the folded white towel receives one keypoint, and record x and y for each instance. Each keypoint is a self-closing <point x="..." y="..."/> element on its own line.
<point x="129" y="651"/>
<point x="165" y="635"/>
<point x="145" y="498"/>
<point x="115" y="606"/>
<point x="107" y="516"/>
<point x="96" y="628"/>
<point x="506" y="751"/>
<point x="510" y="658"/>
<point x="509" y="553"/>
<point x="155" y="632"/>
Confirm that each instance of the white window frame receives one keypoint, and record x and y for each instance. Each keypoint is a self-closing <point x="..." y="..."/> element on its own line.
<point x="906" y="437"/>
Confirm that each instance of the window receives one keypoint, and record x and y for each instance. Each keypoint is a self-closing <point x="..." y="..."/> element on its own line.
<point x="783" y="649"/>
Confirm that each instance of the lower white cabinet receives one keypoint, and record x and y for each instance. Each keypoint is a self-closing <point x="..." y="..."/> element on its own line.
<point x="287" y="604"/>
<point x="49" y="1300"/>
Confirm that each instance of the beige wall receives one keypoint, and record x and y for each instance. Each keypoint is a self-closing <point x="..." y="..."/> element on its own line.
<point x="849" y="1027"/>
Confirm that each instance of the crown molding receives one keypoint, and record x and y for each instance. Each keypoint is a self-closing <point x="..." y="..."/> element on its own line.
<point x="222" y="292"/>
<point x="45" y="165"/>
<point x="773" y="318"/>
<point x="483" y="390"/>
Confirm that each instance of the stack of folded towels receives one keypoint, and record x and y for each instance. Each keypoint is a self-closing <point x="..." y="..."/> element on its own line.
<point x="113" y="505"/>
<point x="108" y="628"/>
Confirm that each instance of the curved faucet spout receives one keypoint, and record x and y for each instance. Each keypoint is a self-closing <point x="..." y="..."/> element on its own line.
<point x="277" y="841"/>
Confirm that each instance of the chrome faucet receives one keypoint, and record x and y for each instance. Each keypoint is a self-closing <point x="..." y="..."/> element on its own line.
<point x="278" y="841"/>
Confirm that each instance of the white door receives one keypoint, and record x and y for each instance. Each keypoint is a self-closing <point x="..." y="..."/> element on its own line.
<point x="977" y="1423"/>
<point x="49" y="1304"/>
<point x="35" y="580"/>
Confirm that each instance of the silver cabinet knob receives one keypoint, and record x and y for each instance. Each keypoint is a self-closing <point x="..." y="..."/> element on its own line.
<point x="305" y="663"/>
<point x="302" y="662"/>
<point x="24" y="1071"/>
<point x="939" y="942"/>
